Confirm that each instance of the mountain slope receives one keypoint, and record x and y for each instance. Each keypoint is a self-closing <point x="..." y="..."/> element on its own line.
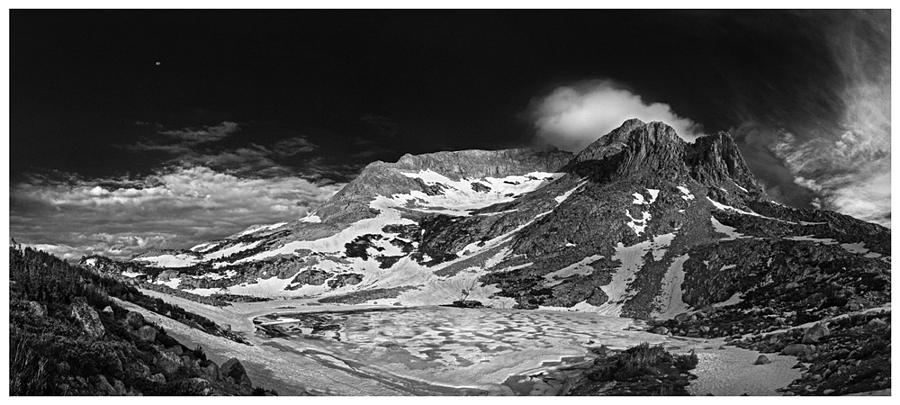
<point x="638" y="224"/>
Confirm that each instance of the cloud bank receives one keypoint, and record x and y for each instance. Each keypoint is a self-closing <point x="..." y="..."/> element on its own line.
<point x="176" y="208"/>
<point x="573" y="116"/>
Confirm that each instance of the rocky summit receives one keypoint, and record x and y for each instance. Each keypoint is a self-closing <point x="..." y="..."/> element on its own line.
<point x="639" y="224"/>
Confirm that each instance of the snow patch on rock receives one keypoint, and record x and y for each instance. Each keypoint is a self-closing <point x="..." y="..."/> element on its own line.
<point x="311" y="219"/>
<point x="670" y="301"/>
<point x="632" y="260"/>
<point x="729" y="232"/>
<point x="459" y="197"/>
<point x="685" y="193"/>
<point x="811" y="238"/>
<point x="735" y="299"/>
<point x="260" y="228"/>
<point x="204" y="247"/>
<point x="565" y="196"/>
<point x="724" y="207"/>
<point x="639" y="198"/>
<point x="240" y="247"/>
<point x="582" y="267"/>
<point x="169" y="260"/>
<point x="638" y="225"/>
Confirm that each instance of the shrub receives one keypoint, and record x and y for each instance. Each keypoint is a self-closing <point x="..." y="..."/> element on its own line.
<point x="29" y="373"/>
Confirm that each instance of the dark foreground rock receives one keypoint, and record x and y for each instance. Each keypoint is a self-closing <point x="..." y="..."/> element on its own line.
<point x="467" y="304"/>
<point x="640" y="370"/>
<point x="86" y="344"/>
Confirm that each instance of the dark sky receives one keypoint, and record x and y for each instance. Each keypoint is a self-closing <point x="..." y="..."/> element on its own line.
<point x="234" y="91"/>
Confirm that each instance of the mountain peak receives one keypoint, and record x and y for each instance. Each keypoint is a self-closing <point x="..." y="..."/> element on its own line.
<point x="632" y="132"/>
<point x="655" y="151"/>
<point x="716" y="158"/>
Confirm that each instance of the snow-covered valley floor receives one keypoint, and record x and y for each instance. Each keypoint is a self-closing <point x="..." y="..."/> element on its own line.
<point x="449" y="351"/>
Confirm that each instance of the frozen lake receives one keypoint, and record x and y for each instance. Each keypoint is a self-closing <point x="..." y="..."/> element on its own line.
<point x="347" y="350"/>
<point x="451" y="346"/>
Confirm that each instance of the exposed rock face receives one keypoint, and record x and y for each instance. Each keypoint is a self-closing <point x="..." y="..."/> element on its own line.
<point x="816" y="333"/>
<point x="341" y="280"/>
<point x="146" y="333"/>
<point x="653" y="152"/>
<point x="311" y="277"/>
<point x="134" y="319"/>
<point x="795" y="349"/>
<point x="235" y="370"/>
<point x="168" y="275"/>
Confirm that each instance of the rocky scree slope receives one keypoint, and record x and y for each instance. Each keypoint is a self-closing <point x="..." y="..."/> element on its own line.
<point x="69" y="337"/>
<point x="638" y="224"/>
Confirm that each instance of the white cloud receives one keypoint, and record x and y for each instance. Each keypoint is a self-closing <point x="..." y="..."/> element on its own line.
<point x="851" y="174"/>
<point x="173" y="209"/>
<point x="571" y="117"/>
<point x="850" y="166"/>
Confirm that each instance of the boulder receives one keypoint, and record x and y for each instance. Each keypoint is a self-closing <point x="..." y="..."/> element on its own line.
<point x="682" y="317"/>
<point x="816" y="333"/>
<point x="211" y="370"/>
<point x="235" y="370"/>
<point x="89" y="320"/>
<point x="189" y="361"/>
<point x="854" y="305"/>
<point x="108" y="310"/>
<point x="660" y="330"/>
<point x="168" y="362"/>
<point x="480" y="187"/>
<point x="36" y="309"/>
<point x="103" y="385"/>
<point x="119" y="387"/>
<point x="138" y="369"/>
<point x="167" y="275"/>
<point x="345" y="279"/>
<point x="158" y="378"/>
<point x="762" y="359"/>
<point x="795" y="349"/>
<point x="134" y="319"/>
<point x="194" y="386"/>
<point x="311" y="277"/>
<point x="876" y="323"/>
<point x="146" y="333"/>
